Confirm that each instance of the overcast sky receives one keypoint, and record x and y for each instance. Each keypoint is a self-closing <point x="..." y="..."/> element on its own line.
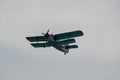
<point x="98" y="55"/>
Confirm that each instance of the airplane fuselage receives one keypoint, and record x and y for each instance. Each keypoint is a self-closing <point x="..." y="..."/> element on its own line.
<point x="52" y="42"/>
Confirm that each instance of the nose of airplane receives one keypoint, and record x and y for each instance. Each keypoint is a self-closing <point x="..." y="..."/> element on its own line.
<point x="46" y="34"/>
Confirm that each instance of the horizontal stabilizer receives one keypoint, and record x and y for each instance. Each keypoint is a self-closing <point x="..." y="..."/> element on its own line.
<point x="37" y="45"/>
<point x="66" y="42"/>
<point x="72" y="46"/>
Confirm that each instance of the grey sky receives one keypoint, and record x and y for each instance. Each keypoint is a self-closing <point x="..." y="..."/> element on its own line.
<point x="98" y="55"/>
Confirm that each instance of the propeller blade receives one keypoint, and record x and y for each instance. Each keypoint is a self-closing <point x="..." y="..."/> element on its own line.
<point x="43" y="33"/>
<point x="46" y="34"/>
<point x="48" y="31"/>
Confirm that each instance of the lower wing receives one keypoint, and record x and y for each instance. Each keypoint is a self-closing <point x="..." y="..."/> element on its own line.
<point x="64" y="42"/>
<point x="38" y="45"/>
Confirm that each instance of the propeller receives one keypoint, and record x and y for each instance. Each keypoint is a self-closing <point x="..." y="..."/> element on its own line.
<point x="43" y="33"/>
<point x="48" y="31"/>
<point x="46" y="34"/>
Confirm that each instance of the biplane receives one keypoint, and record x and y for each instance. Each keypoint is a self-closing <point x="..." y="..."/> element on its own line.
<point x="61" y="42"/>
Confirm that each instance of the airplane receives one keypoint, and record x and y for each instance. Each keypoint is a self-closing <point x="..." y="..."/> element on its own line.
<point x="59" y="41"/>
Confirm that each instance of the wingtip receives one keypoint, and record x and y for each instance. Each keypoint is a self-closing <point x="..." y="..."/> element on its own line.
<point x="27" y="38"/>
<point x="81" y="33"/>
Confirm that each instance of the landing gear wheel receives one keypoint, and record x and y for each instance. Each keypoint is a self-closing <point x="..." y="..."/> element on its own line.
<point x="64" y="53"/>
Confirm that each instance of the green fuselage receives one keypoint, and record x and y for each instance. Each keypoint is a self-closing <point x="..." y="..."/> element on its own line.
<point x="53" y="42"/>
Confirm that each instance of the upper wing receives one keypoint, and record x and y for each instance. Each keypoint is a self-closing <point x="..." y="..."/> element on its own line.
<point x="36" y="38"/>
<point x="68" y="35"/>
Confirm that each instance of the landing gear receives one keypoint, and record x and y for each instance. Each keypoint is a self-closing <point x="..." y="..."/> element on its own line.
<point x="43" y="46"/>
<point x="65" y="53"/>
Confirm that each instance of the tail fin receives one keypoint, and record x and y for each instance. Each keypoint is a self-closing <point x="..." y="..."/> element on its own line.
<point x="71" y="46"/>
